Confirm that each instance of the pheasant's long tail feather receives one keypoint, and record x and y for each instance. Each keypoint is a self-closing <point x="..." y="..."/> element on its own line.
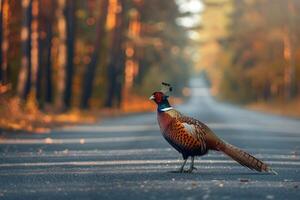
<point x="246" y="159"/>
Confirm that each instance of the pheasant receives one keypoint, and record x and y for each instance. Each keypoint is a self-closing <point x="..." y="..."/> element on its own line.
<point x="191" y="137"/>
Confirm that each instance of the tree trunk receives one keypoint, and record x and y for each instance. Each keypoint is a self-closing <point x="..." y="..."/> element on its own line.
<point x="42" y="38"/>
<point x="23" y="87"/>
<point x="48" y="66"/>
<point x="1" y="35"/>
<point x="70" y="20"/>
<point x="62" y="53"/>
<point x="121" y="53"/>
<point x="117" y="60"/>
<point x="1" y="39"/>
<point x="132" y="62"/>
<point x="4" y="41"/>
<point x="34" y="47"/>
<point x="48" y="61"/>
<point x="87" y="85"/>
<point x="289" y="53"/>
<point x="44" y="78"/>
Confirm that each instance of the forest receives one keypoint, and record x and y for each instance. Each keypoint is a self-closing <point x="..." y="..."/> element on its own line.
<point x="61" y="55"/>
<point x="253" y="53"/>
<point x="60" y="59"/>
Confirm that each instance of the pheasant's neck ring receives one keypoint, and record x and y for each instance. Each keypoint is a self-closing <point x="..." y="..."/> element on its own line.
<point x="165" y="109"/>
<point x="164" y="106"/>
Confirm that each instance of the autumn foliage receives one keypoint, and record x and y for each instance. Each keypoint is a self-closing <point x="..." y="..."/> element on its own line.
<point x="60" y="59"/>
<point x="252" y="52"/>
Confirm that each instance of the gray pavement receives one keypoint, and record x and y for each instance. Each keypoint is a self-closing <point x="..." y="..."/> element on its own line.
<point x="127" y="158"/>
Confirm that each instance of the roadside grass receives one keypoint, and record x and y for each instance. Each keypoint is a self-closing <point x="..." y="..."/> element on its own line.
<point x="290" y="109"/>
<point x="17" y="117"/>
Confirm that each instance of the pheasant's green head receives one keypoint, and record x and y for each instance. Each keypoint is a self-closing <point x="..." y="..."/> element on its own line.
<point x="161" y="98"/>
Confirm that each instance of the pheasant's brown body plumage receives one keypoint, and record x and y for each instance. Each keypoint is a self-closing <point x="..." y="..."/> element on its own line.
<point x="174" y="128"/>
<point x="193" y="138"/>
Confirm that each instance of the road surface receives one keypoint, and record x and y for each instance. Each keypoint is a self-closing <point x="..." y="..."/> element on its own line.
<point x="127" y="158"/>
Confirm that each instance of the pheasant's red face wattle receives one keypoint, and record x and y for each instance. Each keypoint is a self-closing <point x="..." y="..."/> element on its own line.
<point x="158" y="97"/>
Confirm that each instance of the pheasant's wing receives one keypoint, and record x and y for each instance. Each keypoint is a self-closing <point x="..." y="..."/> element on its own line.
<point x="201" y="131"/>
<point x="183" y="137"/>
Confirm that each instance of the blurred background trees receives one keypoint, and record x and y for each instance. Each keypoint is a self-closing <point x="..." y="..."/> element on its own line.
<point x="57" y="55"/>
<point x="252" y="52"/>
<point x="64" y="54"/>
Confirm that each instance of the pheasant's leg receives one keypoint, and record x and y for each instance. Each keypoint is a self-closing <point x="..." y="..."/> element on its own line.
<point x="182" y="166"/>
<point x="192" y="165"/>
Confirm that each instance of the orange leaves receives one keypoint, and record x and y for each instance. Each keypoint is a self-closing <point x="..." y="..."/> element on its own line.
<point x="4" y="88"/>
<point x="113" y="9"/>
<point x="15" y="118"/>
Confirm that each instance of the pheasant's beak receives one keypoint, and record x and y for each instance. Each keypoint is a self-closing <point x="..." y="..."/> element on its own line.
<point x="152" y="97"/>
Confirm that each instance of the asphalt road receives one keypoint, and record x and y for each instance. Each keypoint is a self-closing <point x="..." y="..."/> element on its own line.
<point x="127" y="158"/>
